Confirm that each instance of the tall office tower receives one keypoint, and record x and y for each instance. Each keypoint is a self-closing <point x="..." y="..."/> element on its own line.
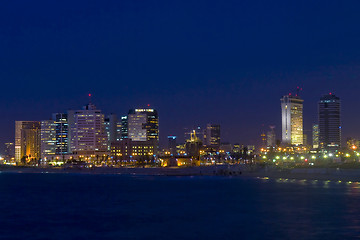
<point x="292" y="120"/>
<point x="271" y="137"/>
<point x="27" y="140"/>
<point x="87" y="134"/>
<point x="48" y="138"/>
<point x="118" y="131"/>
<point x="9" y="150"/>
<point x="329" y="122"/>
<point x="111" y="128"/>
<point x="212" y="135"/>
<point x="315" y="135"/>
<point x="124" y="127"/>
<point x="61" y="125"/>
<point x="143" y="125"/>
<point x="172" y="145"/>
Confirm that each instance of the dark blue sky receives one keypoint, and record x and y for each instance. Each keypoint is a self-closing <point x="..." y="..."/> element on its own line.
<point x="226" y="62"/>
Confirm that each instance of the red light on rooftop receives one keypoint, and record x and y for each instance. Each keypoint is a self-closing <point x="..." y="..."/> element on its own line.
<point x="330" y="93"/>
<point x="148" y="105"/>
<point x="89" y="94"/>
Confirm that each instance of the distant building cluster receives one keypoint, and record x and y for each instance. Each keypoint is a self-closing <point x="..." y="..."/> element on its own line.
<point x="89" y="135"/>
<point x="86" y="134"/>
<point x="325" y="133"/>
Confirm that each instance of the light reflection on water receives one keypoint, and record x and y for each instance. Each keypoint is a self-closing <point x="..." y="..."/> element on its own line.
<point x="147" y="207"/>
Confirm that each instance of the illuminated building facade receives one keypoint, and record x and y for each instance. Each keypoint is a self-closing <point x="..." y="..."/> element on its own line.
<point x="27" y="140"/>
<point x="315" y="135"/>
<point x="127" y="149"/>
<point x="124" y="127"/>
<point x="118" y="131"/>
<point x="193" y="145"/>
<point x="87" y="134"/>
<point x="292" y="120"/>
<point x="61" y="125"/>
<point x="200" y="133"/>
<point x="172" y="145"/>
<point x="212" y="135"/>
<point x="48" y="138"/>
<point x="9" y="151"/>
<point x="329" y="122"/>
<point x="143" y="125"/>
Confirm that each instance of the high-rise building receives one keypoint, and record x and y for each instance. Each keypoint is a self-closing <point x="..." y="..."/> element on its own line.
<point x="329" y="122"/>
<point x="193" y="145"/>
<point x="87" y="134"/>
<point x="27" y="140"/>
<point x="62" y="128"/>
<point x="271" y="137"/>
<point x="111" y="128"/>
<point x="315" y="135"/>
<point x="172" y="145"/>
<point x="212" y="135"/>
<point x="143" y="125"/>
<point x="9" y="150"/>
<point x="292" y="120"/>
<point x="48" y="138"/>
<point x="124" y="127"/>
<point x="118" y="131"/>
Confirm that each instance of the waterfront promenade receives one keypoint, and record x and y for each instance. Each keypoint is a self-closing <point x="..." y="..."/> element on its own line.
<point x="333" y="174"/>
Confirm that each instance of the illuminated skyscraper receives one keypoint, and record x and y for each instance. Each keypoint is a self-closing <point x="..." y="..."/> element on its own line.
<point x="124" y="127"/>
<point x="172" y="145"/>
<point x="143" y="125"/>
<point x="87" y="134"/>
<point x="48" y="138"/>
<point x="61" y="125"/>
<point x="212" y="135"/>
<point x="329" y="122"/>
<point x="315" y="135"/>
<point x="27" y="140"/>
<point x="292" y="120"/>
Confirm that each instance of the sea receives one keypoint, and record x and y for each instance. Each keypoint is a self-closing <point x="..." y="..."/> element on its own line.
<point x="96" y="206"/>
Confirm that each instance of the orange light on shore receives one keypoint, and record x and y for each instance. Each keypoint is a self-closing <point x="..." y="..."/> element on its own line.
<point x="354" y="147"/>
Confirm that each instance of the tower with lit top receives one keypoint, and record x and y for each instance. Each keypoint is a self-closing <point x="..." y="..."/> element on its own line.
<point x="292" y="119"/>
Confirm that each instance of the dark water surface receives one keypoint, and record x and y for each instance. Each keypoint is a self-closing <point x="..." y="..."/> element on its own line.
<point x="84" y="206"/>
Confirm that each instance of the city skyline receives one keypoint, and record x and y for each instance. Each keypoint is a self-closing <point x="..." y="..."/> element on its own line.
<point x="193" y="68"/>
<point x="285" y="100"/>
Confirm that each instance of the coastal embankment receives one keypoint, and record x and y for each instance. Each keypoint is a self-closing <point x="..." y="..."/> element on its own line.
<point x="253" y="171"/>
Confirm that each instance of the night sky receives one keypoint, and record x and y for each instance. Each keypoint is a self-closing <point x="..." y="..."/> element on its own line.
<point x="196" y="62"/>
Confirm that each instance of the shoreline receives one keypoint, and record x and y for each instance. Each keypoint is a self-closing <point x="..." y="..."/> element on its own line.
<point x="218" y="170"/>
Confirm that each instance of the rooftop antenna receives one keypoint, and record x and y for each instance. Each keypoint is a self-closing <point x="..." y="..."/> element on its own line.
<point x="89" y="98"/>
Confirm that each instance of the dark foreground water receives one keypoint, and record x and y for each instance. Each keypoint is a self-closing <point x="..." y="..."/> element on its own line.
<point x="82" y="206"/>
